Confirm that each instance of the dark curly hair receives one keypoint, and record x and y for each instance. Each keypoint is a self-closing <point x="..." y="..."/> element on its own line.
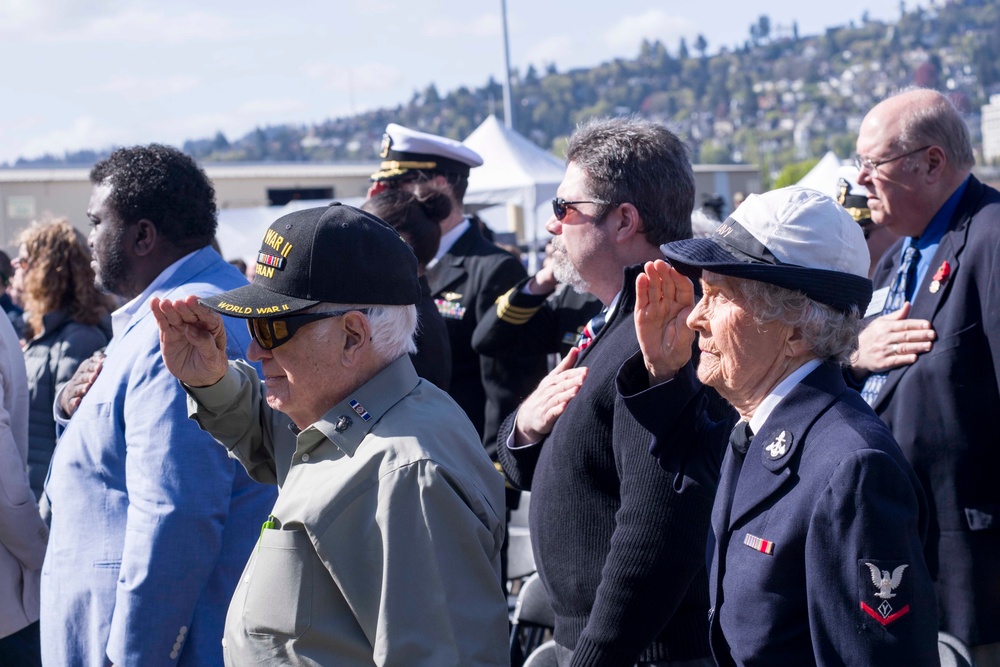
<point x="163" y="185"/>
<point x="417" y="218"/>
<point x="59" y="276"/>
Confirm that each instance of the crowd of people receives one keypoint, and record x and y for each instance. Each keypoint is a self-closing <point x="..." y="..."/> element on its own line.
<point x="757" y="439"/>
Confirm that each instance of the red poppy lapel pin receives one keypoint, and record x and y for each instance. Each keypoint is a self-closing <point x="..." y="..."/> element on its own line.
<point x="942" y="275"/>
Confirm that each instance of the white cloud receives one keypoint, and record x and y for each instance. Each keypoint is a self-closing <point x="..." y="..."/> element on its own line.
<point x="368" y="77"/>
<point x="25" y="22"/>
<point x="264" y="108"/>
<point x="82" y="132"/>
<point x="141" y="89"/>
<point x="487" y="25"/>
<point x="557" y="49"/>
<point x="626" y="35"/>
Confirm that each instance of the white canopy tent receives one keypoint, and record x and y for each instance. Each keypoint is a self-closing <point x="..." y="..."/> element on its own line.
<point x="823" y="177"/>
<point x="514" y="171"/>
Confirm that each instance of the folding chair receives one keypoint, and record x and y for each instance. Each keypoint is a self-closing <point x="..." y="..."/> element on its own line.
<point x="533" y="618"/>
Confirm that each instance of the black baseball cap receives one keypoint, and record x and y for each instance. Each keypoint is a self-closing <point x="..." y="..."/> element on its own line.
<point x="333" y="254"/>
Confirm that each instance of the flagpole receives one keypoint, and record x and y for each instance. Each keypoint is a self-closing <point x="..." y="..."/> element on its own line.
<point x="508" y="109"/>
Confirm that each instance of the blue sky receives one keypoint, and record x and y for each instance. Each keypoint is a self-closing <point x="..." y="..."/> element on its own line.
<point x="87" y="75"/>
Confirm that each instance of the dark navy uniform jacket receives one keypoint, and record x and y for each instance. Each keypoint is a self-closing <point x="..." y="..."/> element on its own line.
<point x="944" y="409"/>
<point x="819" y="559"/>
<point x="465" y="284"/>
<point x="532" y="323"/>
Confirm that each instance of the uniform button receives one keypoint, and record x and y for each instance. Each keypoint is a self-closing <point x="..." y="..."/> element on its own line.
<point x="305" y="457"/>
<point x="177" y="647"/>
<point x="173" y="655"/>
<point x="183" y="630"/>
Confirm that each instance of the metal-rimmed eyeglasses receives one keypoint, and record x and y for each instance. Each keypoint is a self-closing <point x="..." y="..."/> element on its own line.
<point x="272" y="332"/>
<point x="871" y="165"/>
<point x="560" y="207"/>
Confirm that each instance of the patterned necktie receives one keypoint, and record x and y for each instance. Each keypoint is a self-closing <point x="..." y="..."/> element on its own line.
<point x="590" y="331"/>
<point x="901" y="291"/>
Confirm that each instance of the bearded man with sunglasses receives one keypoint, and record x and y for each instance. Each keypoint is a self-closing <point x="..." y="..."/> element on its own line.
<point x="619" y="542"/>
<point x="151" y="522"/>
<point x="929" y="363"/>
<point x="384" y="544"/>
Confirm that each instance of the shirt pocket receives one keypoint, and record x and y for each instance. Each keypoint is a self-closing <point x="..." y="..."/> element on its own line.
<point x="279" y="592"/>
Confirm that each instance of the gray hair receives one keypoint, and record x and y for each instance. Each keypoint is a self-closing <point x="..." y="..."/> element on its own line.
<point x="830" y="334"/>
<point x="635" y="161"/>
<point x="392" y="327"/>
<point x="937" y="124"/>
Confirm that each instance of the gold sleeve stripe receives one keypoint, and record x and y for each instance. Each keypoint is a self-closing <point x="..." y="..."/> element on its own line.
<point x="513" y="314"/>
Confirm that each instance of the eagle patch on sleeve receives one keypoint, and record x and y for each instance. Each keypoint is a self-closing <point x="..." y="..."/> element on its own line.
<point x="883" y="589"/>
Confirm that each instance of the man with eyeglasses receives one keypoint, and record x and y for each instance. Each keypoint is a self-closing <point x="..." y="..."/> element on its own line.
<point x="929" y="362"/>
<point x="151" y="522"/>
<point x="619" y="541"/>
<point x="383" y="546"/>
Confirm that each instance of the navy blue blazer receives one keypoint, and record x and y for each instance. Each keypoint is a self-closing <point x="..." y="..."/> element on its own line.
<point x="819" y="559"/>
<point x="943" y="412"/>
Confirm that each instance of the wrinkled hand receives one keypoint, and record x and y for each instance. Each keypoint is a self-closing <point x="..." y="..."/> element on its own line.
<point x="81" y="382"/>
<point x="538" y="413"/>
<point x="192" y="341"/>
<point x="890" y="341"/>
<point x="663" y="300"/>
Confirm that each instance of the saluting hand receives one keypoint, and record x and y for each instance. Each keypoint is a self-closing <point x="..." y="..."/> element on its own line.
<point x="663" y="300"/>
<point x="538" y="413"/>
<point x="192" y="341"/>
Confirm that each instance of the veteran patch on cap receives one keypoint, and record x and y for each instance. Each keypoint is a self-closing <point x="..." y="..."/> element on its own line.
<point x="332" y="254"/>
<point x="405" y="150"/>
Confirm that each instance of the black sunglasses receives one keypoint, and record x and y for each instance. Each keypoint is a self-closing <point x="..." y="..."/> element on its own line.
<point x="271" y="332"/>
<point x="560" y="206"/>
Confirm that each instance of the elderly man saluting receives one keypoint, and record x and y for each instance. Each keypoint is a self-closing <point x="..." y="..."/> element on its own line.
<point x="818" y="518"/>
<point x="384" y="544"/>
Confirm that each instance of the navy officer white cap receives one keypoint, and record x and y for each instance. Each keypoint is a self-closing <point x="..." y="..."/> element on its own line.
<point x="404" y="150"/>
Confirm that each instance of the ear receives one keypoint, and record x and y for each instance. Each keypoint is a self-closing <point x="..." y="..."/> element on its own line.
<point x="795" y="345"/>
<point x="628" y="223"/>
<point x="937" y="161"/>
<point x="145" y="237"/>
<point x="357" y="337"/>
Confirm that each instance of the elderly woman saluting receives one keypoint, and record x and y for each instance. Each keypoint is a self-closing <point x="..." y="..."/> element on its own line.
<point x="818" y="518"/>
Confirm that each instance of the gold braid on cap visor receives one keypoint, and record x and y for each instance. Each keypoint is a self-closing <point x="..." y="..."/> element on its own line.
<point x="392" y="168"/>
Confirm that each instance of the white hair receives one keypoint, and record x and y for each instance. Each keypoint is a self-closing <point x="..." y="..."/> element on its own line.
<point x="392" y="327"/>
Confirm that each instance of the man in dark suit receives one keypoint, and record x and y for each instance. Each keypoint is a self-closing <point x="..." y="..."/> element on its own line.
<point x="466" y="277"/>
<point x="930" y="368"/>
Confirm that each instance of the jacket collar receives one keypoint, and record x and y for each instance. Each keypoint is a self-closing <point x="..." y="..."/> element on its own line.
<point x="775" y="450"/>
<point x="347" y="423"/>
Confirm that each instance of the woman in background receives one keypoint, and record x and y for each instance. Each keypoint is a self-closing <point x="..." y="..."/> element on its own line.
<point x="417" y="219"/>
<point x="66" y="320"/>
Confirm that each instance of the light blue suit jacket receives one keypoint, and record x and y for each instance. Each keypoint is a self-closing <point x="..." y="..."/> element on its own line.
<point x="152" y="522"/>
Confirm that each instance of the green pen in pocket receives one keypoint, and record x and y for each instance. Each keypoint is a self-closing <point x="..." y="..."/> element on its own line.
<point x="267" y="525"/>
